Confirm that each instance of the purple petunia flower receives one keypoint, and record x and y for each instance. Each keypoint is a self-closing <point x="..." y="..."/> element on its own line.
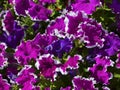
<point x="91" y="32"/>
<point x="56" y="27"/>
<point x="13" y="33"/>
<point x="26" y="51"/>
<point x="3" y="84"/>
<point x="43" y="40"/>
<point x="21" y="6"/>
<point x="26" y="78"/>
<point x="99" y="70"/>
<point x="71" y="63"/>
<point x="47" y="67"/>
<point x="80" y="83"/>
<point x="13" y="39"/>
<point x="38" y="11"/>
<point x="111" y="45"/>
<point x="115" y="6"/>
<point x="66" y="88"/>
<point x="62" y="26"/>
<point x="8" y="22"/>
<point x="58" y="48"/>
<point x="74" y="19"/>
<point x="88" y="6"/>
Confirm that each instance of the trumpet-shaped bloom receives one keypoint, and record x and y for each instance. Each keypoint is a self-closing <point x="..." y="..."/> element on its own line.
<point x="60" y="47"/>
<point x="26" y="51"/>
<point x="99" y="70"/>
<point x="80" y="83"/>
<point x="88" y="6"/>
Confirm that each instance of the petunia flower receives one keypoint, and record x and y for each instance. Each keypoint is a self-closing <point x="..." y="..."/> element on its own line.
<point x="71" y="63"/>
<point x="13" y="39"/>
<point x="91" y="33"/>
<point x="26" y="51"/>
<point x="59" y="47"/>
<point x="38" y="12"/>
<point x="88" y="6"/>
<point x="8" y="22"/>
<point x="99" y="70"/>
<point x="47" y="67"/>
<point x="74" y="19"/>
<point x="111" y="45"/>
<point x="21" y="6"/>
<point x="43" y="40"/>
<point x="26" y="78"/>
<point x="56" y="27"/>
<point x="80" y="83"/>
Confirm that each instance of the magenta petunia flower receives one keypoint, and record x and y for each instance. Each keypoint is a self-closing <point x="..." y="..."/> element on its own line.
<point x="8" y="22"/>
<point x="56" y="27"/>
<point x="80" y="83"/>
<point x="71" y="63"/>
<point x="67" y="25"/>
<point x="88" y="6"/>
<point x="21" y="6"/>
<point x="26" y="51"/>
<point x="74" y="19"/>
<point x="26" y="78"/>
<point x="38" y="11"/>
<point x="91" y="32"/>
<point x="3" y="84"/>
<point x="47" y="67"/>
<point x="43" y="40"/>
<point x="99" y="70"/>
